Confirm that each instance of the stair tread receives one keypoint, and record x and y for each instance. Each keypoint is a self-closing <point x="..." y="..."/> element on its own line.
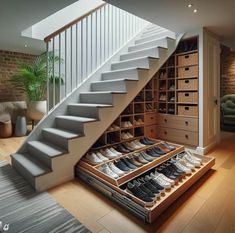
<point x="115" y="80"/>
<point x="140" y="50"/>
<point x="64" y="133"/>
<point x="50" y="149"/>
<point x="132" y="59"/>
<point x="77" y="118"/>
<point x="31" y="164"/>
<point x="103" y="92"/>
<point x="92" y="105"/>
<point x="126" y="69"/>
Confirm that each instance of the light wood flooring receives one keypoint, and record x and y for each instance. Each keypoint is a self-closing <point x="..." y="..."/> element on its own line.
<point x="207" y="207"/>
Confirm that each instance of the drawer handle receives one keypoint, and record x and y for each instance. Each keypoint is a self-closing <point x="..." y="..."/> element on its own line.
<point x="151" y="118"/>
<point x="165" y="133"/>
<point x="186" y="68"/>
<point x="151" y="130"/>
<point x="186" y="136"/>
<point x="186" y="56"/>
<point x="186" y="81"/>
<point x="186" y="108"/>
<point x="165" y="120"/>
<point x="186" y="94"/>
<point x="186" y="122"/>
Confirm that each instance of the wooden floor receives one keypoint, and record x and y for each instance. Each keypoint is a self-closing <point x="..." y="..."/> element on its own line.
<point x="208" y="206"/>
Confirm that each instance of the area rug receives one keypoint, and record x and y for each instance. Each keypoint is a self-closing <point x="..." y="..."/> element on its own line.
<point x="24" y="210"/>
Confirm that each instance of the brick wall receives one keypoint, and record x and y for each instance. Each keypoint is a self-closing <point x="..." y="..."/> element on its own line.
<point x="9" y="65"/>
<point x="227" y="77"/>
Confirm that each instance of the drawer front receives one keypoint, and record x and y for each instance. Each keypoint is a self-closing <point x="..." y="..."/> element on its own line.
<point x="186" y="110"/>
<point x="188" y="97"/>
<point x="179" y="136"/>
<point x="187" y="60"/>
<point x="178" y="122"/>
<point x="188" y="84"/>
<point x="150" y="119"/>
<point x="189" y="71"/>
<point x="151" y="131"/>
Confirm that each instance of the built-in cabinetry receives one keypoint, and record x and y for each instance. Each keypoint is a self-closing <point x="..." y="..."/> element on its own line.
<point x="177" y="100"/>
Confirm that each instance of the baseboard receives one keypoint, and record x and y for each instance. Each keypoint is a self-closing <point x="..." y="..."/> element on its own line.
<point x="206" y="149"/>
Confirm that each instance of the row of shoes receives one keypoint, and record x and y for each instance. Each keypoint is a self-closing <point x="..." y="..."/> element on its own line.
<point x="113" y="127"/>
<point x="172" y="87"/>
<point x="138" y="121"/>
<point x="149" y="107"/>
<point x="150" y="187"/>
<point x="126" y="124"/>
<point x="126" y="135"/>
<point x="162" y="97"/>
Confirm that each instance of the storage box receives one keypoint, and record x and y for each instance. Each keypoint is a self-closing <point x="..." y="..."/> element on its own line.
<point x="188" y="71"/>
<point x="188" y="97"/>
<point x="188" y="59"/>
<point x="188" y="84"/>
<point x="188" y="110"/>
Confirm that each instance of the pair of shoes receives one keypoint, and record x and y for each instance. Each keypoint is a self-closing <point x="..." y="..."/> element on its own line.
<point x="138" y="121"/>
<point x="134" y="144"/>
<point x="168" y="146"/>
<point x="110" y="153"/>
<point x="126" y="135"/>
<point x="172" y="87"/>
<point x="126" y="124"/>
<point x="111" y="170"/>
<point x="146" y="141"/>
<point x="113" y="127"/>
<point x="149" y="107"/>
<point x="96" y="158"/>
<point x="162" y="97"/>
<point x="124" y="165"/>
<point x="122" y="149"/>
<point x="172" y="99"/>
<point x="162" y="180"/>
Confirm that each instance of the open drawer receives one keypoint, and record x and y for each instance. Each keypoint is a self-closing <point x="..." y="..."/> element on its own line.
<point x="135" y="205"/>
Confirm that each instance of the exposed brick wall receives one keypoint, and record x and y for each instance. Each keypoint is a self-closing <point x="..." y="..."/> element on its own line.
<point x="9" y="65"/>
<point x="227" y="81"/>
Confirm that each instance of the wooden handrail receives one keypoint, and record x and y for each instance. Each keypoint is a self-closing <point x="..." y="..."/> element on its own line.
<point x="57" y="32"/>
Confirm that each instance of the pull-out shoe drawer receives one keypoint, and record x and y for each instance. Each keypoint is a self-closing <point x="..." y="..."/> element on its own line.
<point x="135" y="205"/>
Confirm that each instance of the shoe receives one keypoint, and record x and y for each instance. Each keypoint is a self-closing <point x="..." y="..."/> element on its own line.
<point x="101" y="157"/>
<point x="193" y="156"/>
<point x="149" y="186"/>
<point x="187" y="164"/>
<point x="172" y="99"/>
<point x="124" y="124"/>
<point x="116" y="169"/>
<point x="144" y="189"/>
<point x="124" y="136"/>
<point x="169" y="147"/>
<point x="152" y="153"/>
<point x="167" y="173"/>
<point x="156" y="174"/>
<point x="93" y="158"/>
<point x="134" y="161"/>
<point x="187" y="170"/>
<point x="146" y="156"/>
<point x="140" y="121"/>
<point x="140" y="158"/>
<point x="116" y="127"/>
<point x="132" y="145"/>
<point x="106" y="169"/>
<point x="172" y="87"/>
<point x="149" y="141"/>
<point x="162" y="182"/>
<point x="129" y="135"/>
<point x="128" y="164"/>
<point x="122" y="166"/>
<point x="163" y="148"/>
<point x="122" y="149"/>
<point x="129" y="124"/>
<point x="110" y="128"/>
<point x="137" y="192"/>
<point x="159" y="151"/>
<point x="159" y="187"/>
<point x="108" y="153"/>
<point x="115" y="152"/>
<point x="125" y="145"/>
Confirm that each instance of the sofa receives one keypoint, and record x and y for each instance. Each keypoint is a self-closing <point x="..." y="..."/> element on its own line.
<point x="228" y="110"/>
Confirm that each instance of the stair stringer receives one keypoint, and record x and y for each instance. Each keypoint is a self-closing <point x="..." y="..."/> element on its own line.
<point x="63" y="166"/>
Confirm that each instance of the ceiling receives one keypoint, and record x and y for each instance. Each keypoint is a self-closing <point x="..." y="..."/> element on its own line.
<point x="216" y="15"/>
<point x="16" y="16"/>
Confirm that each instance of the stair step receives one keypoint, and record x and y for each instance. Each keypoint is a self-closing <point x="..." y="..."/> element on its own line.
<point x="153" y="32"/>
<point x="60" y="137"/>
<point x="44" y="151"/>
<point x="141" y="62"/>
<point x="97" y="97"/>
<point x="28" y="166"/>
<point x="147" y="31"/>
<point x="156" y="36"/>
<point x="150" y="52"/>
<point x="111" y="85"/>
<point x="152" y="26"/>
<point x="72" y="122"/>
<point x="131" y="73"/>
<point x="162" y="42"/>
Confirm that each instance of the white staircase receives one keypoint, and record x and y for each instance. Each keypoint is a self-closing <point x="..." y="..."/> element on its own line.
<point x="50" y="159"/>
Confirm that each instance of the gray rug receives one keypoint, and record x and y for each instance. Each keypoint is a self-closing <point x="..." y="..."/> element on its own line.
<point x="27" y="211"/>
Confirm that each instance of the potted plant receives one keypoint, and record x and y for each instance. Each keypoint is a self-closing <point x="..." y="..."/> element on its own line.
<point x="32" y="79"/>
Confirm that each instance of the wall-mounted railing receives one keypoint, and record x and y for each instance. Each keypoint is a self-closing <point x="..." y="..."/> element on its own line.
<point x="83" y="45"/>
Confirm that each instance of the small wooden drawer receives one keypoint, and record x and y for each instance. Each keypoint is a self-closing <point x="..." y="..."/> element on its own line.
<point x="151" y="131"/>
<point x="178" y="122"/>
<point x="188" y="59"/>
<point x="150" y="119"/>
<point x="187" y="110"/>
<point x="188" y="71"/>
<point x="177" y="135"/>
<point x="188" y="84"/>
<point x="188" y="97"/>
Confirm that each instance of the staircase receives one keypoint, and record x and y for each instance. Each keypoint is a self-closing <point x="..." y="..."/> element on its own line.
<point x="48" y="158"/>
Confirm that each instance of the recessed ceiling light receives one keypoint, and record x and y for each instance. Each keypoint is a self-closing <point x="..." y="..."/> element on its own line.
<point x="25" y="45"/>
<point x="195" y="11"/>
<point x="189" y="5"/>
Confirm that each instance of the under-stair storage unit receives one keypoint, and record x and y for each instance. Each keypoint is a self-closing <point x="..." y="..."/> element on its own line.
<point x="178" y="95"/>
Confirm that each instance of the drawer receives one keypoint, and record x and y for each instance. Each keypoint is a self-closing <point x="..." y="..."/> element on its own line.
<point x="178" y="122"/>
<point x="188" y="59"/>
<point x="189" y="71"/>
<point x="150" y="119"/>
<point x="187" y="110"/>
<point x="151" y="131"/>
<point x="188" y="97"/>
<point x="177" y="135"/>
<point x="188" y="84"/>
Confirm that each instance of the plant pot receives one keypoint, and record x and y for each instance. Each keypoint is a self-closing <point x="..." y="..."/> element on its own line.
<point x="36" y="109"/>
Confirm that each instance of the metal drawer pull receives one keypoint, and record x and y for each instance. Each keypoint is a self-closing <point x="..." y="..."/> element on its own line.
<point x="186" y="94"/>
<point x="165" y="133"/>
<point x="186" y="123"/>
<point x="151" y="118"/>
<point x="186" y="81"/>
<point x="186" y="68"/>
<point x="151" y="130"/>
<point x="186" y="136"/>
<point x="186" y="56"/>
<point x="186" y="108"/>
